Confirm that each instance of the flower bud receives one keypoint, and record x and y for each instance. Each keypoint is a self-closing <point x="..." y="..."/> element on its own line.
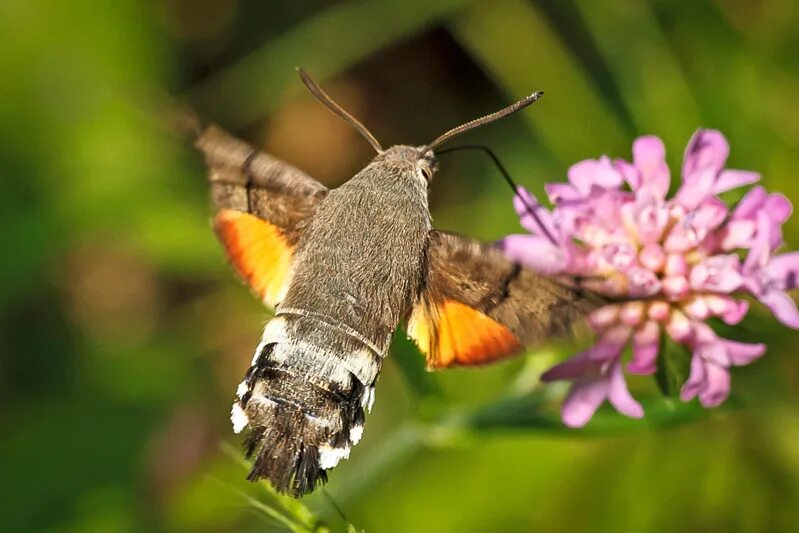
<point x="659" y="311"/>
<point x="652" y="257"/>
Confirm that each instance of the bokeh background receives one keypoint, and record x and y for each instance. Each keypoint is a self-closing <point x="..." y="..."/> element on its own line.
<point x="123" y="333"/>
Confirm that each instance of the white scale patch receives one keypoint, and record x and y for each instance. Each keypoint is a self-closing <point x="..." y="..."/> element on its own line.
<point x="241" y="390"/>
<point x="368" y="399"/>
<point x="239" y="418"/>
<point x="257" y="354"/>
<point x="329" y="456"/>
<point x="274" y="332"/>
<point x="356" y="432"/>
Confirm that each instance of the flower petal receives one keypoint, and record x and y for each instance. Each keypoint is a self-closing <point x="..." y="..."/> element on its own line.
<point x="558" y="192"/>
<point x="643" y="282"/>
<point x="760" y="250"/>
<point x="600" y="172"/>
<point x="628" y="172"/>
<point x="716" y="387"/>
<point x="696" y="379"/>
<point x="645" y="350"/>
<point x="778" y="207"/>
<point x="707" y="150"/>
<point x="610" y="345"/>
<point x="742" y="353"/>
<point x="784" y="269"/>
<point x="646" y="217"/>
<point x="679" y="327"/>
<point x="719" y="273"/>
<point x="574" y="367"/>
<point x="734" y="312"/>
<point x="738" y="234"/>
<point x="708" y="216"/>
<point x="583" y="400"/>
<point x="525" y="204"/>
<point x="536" y="253"/>
<point x="619" y="396"/>
<point x="618" y="255"/>
<point x="704" y="159"/>
<point x="649" y="157"/>
<point x="696" y="190"/>
<point x="604" y="317"/>
<point x="782" y="306"/>
<point x="751" y="202"/>
<point x="714" y="352"/>
<point x="581" y="175"/>
<point x="732" y="179"/>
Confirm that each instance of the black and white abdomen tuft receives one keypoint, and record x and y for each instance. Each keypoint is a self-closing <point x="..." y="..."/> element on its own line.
<point x="303" y="400"/>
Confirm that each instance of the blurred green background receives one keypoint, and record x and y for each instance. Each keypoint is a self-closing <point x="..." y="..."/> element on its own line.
<point x="123" y="332"/>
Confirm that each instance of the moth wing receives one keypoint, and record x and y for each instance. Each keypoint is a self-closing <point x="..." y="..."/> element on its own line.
<point x="263" y="207"/>
<point x="477" y="307"/>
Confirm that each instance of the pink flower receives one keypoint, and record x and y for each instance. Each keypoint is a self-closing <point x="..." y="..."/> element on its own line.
<point x="768" y="277"/>
<point x="668" y="264"/>
<point x="597" y="376"/>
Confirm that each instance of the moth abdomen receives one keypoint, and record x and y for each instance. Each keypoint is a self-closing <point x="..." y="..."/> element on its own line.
<point x="303" y="410"/>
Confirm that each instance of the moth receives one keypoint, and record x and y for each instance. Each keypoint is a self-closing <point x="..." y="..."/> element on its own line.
<point x="343" y="268"/>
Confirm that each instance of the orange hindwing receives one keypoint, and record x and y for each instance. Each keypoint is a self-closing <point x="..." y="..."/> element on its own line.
<point x="258" y="250"/>
<point x="454" y="334"/>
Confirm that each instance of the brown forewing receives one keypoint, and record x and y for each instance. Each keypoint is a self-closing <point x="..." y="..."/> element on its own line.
<point x="533" y="308"/>
<point x="248" y="180"/>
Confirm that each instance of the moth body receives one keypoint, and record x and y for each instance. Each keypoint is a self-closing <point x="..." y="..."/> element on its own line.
<point x="357" y="269"/>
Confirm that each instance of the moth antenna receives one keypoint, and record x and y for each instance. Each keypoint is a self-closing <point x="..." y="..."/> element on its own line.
<point x="476" y="123"/>
<point x="328" y="102"/>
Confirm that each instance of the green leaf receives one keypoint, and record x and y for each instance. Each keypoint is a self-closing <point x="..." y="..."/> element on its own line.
<point x="673" y="367"/>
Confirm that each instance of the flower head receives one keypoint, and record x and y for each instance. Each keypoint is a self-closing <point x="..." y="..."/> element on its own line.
<point x="670" y="263"/>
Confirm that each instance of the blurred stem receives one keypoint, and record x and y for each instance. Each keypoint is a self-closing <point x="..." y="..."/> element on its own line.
<point x="258" y="83"/>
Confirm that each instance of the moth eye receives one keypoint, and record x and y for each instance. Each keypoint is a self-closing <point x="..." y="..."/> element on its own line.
<point x="427" y="173"/>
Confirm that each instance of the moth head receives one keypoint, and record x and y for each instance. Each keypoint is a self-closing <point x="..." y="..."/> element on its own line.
<point x="424" y="165"/>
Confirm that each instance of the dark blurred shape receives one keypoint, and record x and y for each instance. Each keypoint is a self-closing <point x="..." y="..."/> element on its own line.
<point x="196" y="20"/>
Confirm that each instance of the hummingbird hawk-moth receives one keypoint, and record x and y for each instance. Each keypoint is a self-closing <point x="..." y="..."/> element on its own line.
<point x="343" y="268"/>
